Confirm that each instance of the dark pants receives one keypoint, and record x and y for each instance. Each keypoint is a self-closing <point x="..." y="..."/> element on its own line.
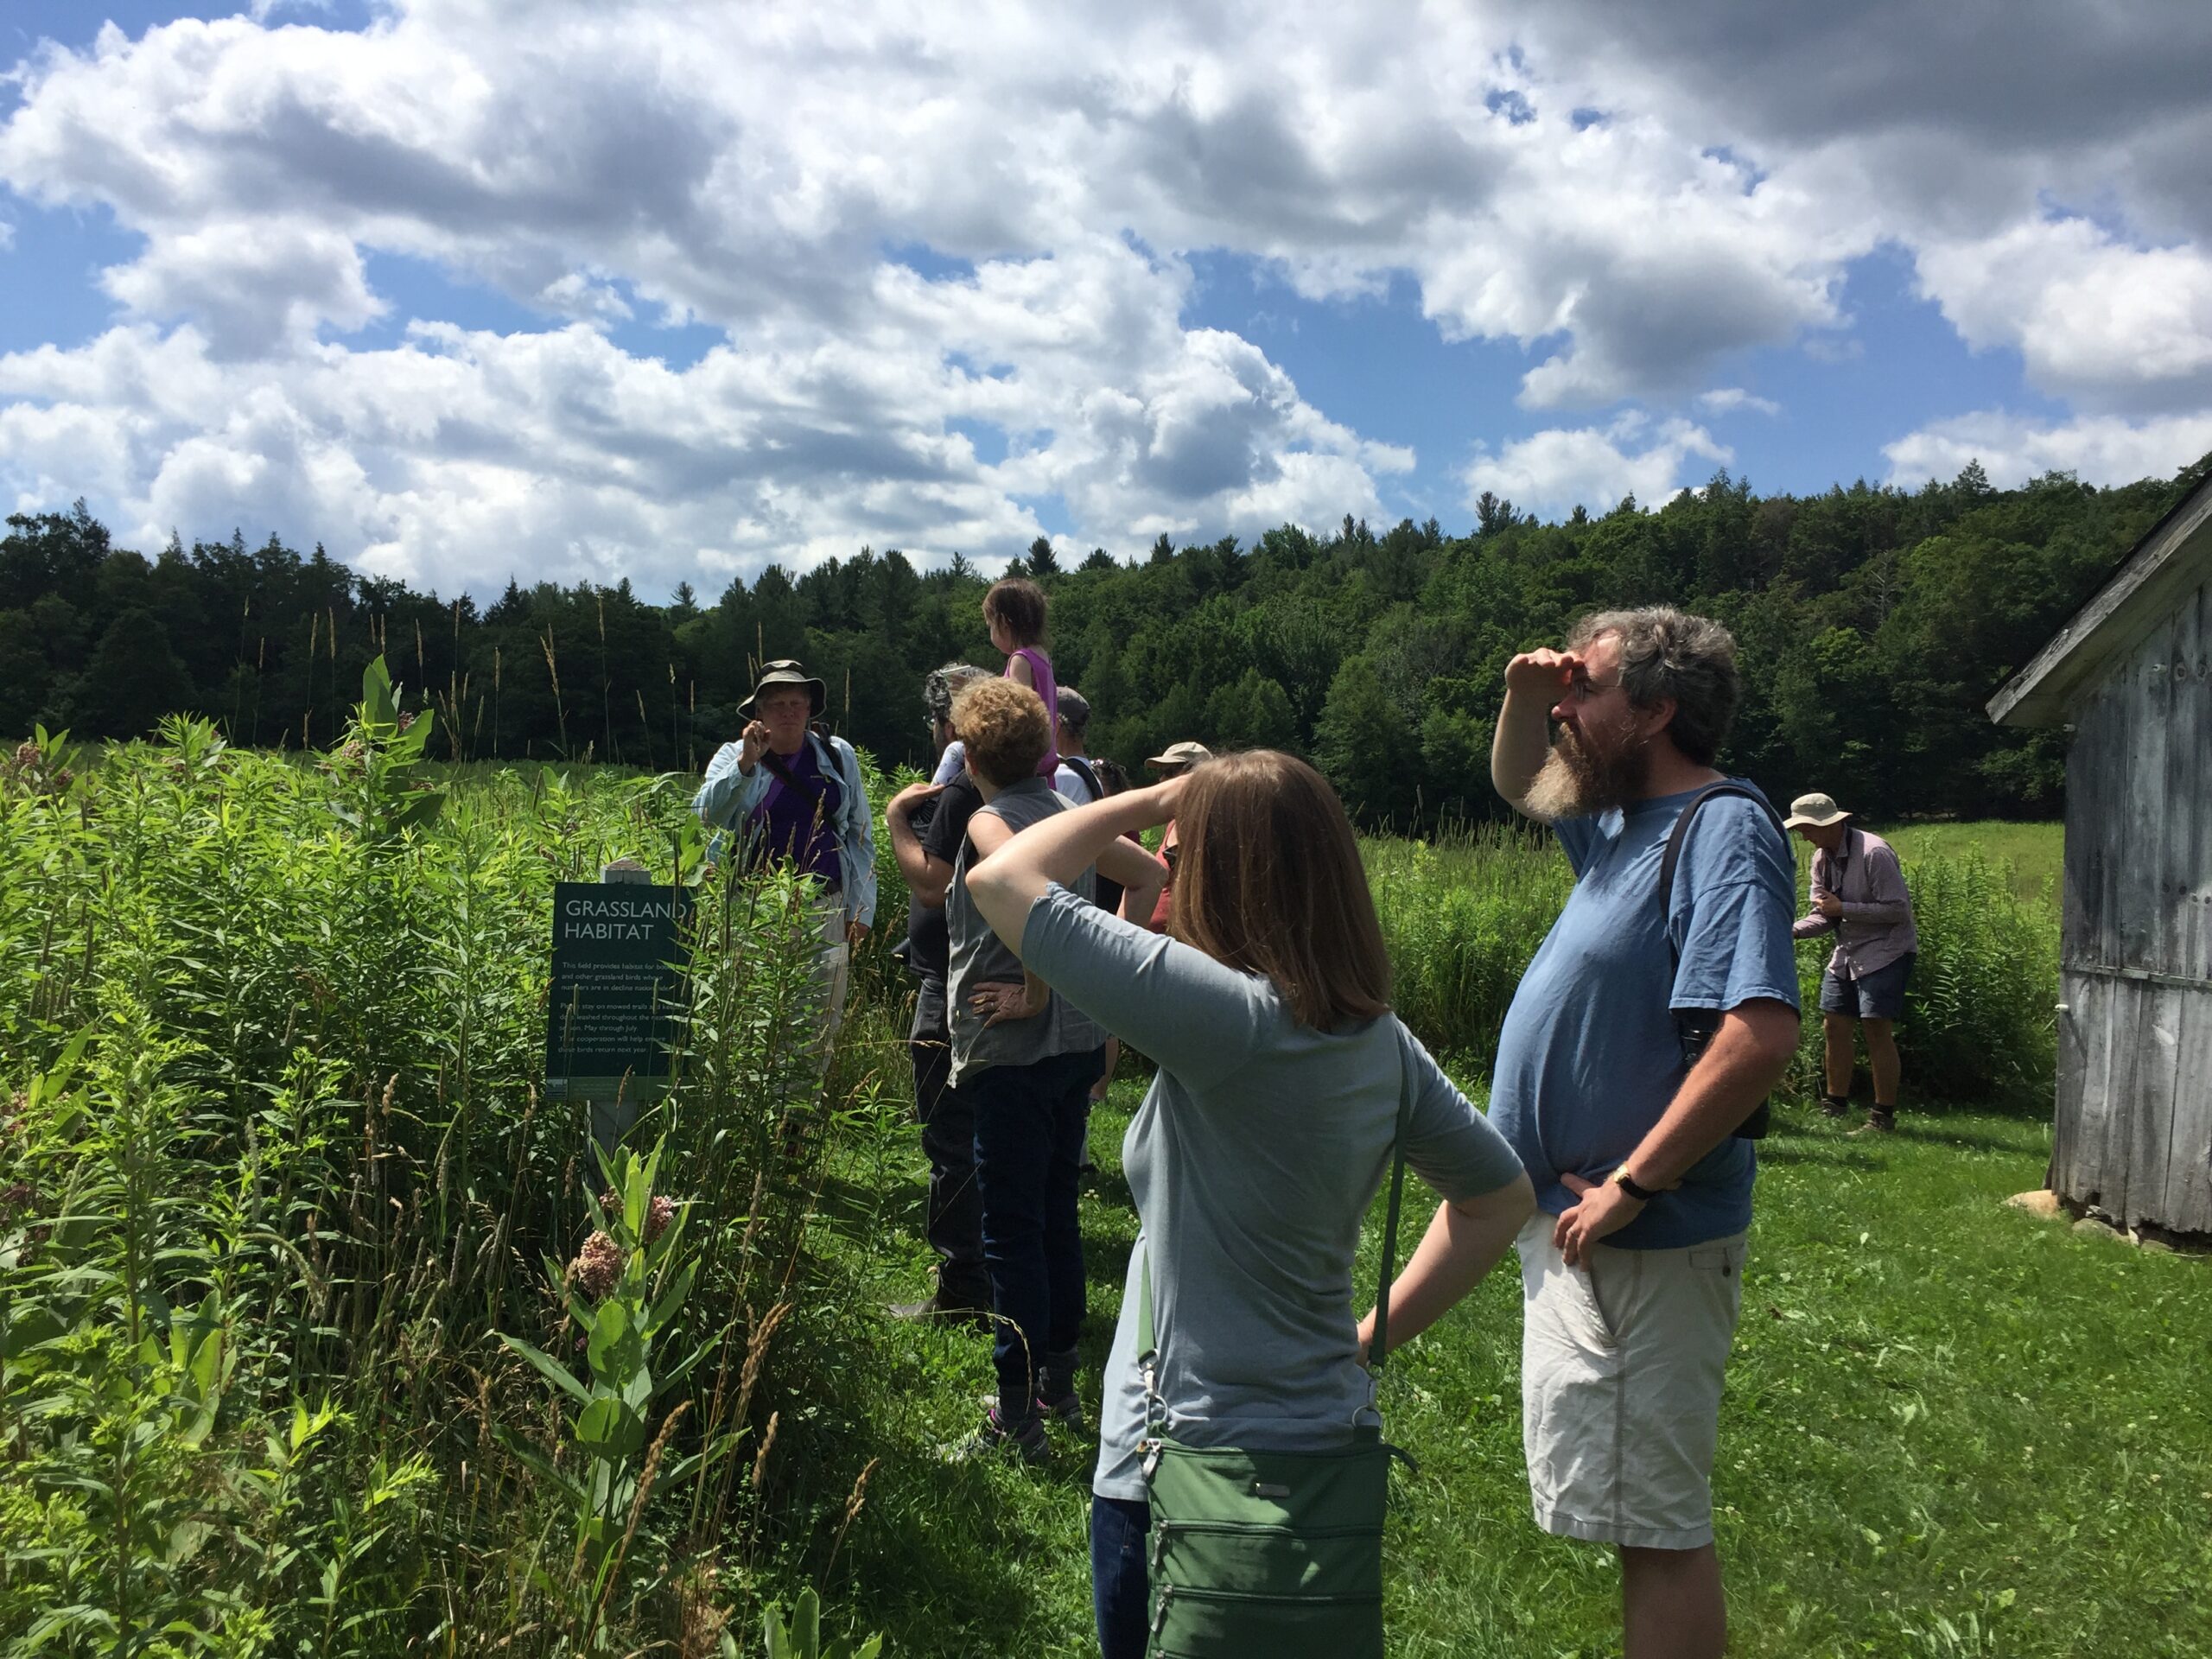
<point x="956" y="1208"/>
<point x="1030" y="1122"/>
<point x="1118" y="1526"/>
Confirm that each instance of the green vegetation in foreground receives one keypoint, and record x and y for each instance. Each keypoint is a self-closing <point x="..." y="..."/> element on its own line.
<point x="1950" y="1429"/>
<point x="286" y="1365"/>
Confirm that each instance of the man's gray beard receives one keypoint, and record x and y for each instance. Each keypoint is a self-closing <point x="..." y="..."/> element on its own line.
<point x="1576" y="783"/>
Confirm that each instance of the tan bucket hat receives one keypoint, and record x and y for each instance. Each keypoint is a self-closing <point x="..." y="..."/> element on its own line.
<point x="1181" y="754"/>
<point x="1814" y="812"/>
<point x="785" y="671"/>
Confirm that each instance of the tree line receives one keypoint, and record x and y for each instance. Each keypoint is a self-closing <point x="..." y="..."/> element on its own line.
<point x="1873" y="623"/>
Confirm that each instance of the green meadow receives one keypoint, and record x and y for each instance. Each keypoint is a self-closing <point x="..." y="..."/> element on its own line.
<point x="308" y="1347"/>
<point x="1950" y="1429"/>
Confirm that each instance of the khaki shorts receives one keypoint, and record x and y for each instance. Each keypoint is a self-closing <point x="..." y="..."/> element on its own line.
<point x="1621" y="1363"/>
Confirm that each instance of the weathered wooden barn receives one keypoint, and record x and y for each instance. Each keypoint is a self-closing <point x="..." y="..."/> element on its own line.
<point x="2131" y="675"/>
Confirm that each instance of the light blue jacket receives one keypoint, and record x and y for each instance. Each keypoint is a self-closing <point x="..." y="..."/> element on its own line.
<point x="728" y="796"/>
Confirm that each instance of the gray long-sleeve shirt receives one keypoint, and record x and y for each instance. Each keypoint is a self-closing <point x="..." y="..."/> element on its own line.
<point x="1876" y="928"/>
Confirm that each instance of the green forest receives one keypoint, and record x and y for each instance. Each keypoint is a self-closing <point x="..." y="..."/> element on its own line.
<point x="1873" y="622"/>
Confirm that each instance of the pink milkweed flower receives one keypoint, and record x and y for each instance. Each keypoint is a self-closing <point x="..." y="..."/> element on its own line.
<point x="598" y="1267"/>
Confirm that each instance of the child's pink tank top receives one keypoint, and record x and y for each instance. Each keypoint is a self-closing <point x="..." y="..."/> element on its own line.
<point x="1040" y="673"/>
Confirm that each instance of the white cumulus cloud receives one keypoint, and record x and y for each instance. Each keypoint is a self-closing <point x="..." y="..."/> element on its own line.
<point x="1726" y="400"/>
<point x="1556" y="470"/>
<point x="2097" y="448"/>
<point x="2093" y="318"/>
<point x="906" y="225"/>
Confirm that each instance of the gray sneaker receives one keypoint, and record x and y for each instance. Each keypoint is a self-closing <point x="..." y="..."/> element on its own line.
<point x="1064" y="1409"/>
<point x="1067" y="1411"/>
<point x="994" y="1439"/>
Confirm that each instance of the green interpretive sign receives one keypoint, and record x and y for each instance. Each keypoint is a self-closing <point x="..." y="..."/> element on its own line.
<point x="617" y="983"/>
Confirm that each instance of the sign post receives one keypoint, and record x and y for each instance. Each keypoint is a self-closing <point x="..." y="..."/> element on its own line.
<point x="618" y="980"/>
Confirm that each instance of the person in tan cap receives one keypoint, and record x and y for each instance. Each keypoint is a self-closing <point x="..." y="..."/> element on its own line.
<point x="1173" y="762"/>
<point x="1858" y="895"/>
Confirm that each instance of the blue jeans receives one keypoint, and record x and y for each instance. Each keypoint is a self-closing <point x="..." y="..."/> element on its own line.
<point x="1118" y="1579"/>
<point x="1030" y="1123"/>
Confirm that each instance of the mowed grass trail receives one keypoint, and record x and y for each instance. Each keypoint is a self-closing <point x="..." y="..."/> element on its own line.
<point x="2037" y="852"/>
<point x="1950" y="1429"/>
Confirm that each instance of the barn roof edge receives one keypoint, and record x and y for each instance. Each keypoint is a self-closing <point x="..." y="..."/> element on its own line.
<point x="2115" y="618"/>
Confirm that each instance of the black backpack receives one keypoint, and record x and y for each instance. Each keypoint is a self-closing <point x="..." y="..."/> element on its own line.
<point x="1695" y="1027"/>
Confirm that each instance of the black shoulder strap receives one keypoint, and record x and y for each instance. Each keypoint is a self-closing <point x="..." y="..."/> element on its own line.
<point x="1673" y="855"/>
<point x="1379" y="1350"/>
<point x="1693" y="1027"/>
<point x="774" y="762"/>
<point x="1081" y="769"/>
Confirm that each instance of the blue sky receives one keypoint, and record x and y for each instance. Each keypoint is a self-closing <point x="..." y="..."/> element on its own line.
<point x="687" y="288"/>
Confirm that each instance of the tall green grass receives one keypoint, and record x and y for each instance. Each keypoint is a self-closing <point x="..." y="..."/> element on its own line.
<point x="1465" y="913"/>
<point x="2033" y="854"/>
<point x="284" y="1217"/>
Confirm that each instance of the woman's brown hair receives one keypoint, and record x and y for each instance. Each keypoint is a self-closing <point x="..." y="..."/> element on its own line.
<point x="1269" y="880"/>
<point x="1018" y="603"/>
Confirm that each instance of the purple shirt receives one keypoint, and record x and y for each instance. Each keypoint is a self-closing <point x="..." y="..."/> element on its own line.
<point x="1040" y="672"/>
<point x="791" y="827"/>
<point x="1876" y="928"/>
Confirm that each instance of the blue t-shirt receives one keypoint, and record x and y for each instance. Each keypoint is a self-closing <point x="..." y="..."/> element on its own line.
<point x="1589" y="1058"/>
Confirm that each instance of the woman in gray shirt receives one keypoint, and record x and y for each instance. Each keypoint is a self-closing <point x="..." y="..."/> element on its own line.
<point x="1266" y="1131"/>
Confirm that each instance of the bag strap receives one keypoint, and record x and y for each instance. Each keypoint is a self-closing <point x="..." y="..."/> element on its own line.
<point x="1147" y="1342"/>
<point x="791" y="779"/>
<point x="1379" y="1350"/>
<point x="1688" y="1027"/>
<point x="1081" y="769"/>
<point x="1673" y="855"/>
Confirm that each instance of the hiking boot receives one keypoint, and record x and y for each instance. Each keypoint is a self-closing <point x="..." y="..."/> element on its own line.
<point x="1834" y="1106"/>
<point x="968" y="1307"/>
<point x="996" y="1438"/>
<point x="1879" y="1122"/>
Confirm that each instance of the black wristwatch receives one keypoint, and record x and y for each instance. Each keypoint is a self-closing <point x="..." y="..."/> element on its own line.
<point x="1627" y="1183"/>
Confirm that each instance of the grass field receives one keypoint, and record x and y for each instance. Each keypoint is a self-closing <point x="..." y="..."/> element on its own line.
<point x="2035" y="853"/>
<point x="1950" y="1429"/>
<point x="1464" y="913"/>
<point x="284" y="1204"/>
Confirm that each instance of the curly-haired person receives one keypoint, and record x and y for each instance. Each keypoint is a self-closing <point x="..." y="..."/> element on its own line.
<point x="1024" y="1059"/>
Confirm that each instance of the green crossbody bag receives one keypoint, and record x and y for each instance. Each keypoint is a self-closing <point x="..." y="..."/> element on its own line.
<point x="1273" y="1553"/>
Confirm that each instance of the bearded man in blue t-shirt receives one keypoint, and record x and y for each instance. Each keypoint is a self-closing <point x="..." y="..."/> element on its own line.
<point x="1632" y="1267"/>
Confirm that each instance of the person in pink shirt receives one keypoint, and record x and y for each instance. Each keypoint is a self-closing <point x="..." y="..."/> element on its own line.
<point x="1858" y="895"/>
<point x="1014" y="609"/>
